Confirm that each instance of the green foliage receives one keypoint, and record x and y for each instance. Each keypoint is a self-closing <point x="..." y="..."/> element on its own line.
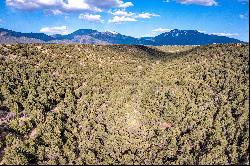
<point x="91" y="104"/>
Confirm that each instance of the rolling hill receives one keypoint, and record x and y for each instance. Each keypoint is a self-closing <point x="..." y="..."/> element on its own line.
<point x="123" y="104"/>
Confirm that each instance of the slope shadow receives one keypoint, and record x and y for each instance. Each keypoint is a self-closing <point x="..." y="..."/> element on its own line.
<point x="153" y="53"/>
<point x="157" y="54"/>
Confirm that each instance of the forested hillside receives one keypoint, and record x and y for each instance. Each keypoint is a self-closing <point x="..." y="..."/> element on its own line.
<point x="91" y="104"/>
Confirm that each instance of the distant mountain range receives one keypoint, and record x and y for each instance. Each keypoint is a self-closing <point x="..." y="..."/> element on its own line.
<point x="89" y="36"/>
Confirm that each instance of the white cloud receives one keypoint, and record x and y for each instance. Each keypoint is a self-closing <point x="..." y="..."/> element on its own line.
<point x="124" y="16"/>
<point x="201" y="31"/>
<point x="54" y="12"/>
<point x="126" y="4"/>
<point x="78" y="5"/>
<point x="225" y="34"/>
<point x="33" y="4"/>
<point x="107" y="4"/>
<point x="157" y="31"/>
<point x="122" y="13"/>
<point x="146" y="15"/>
<point x="242" y="16"/>
<point x="91" y="17"/>
<point x="161" y="30"/>
<point x="199" y="2"/>
<point x="68" y="5"/>
<point x="55" y="30"/>
<point x="120" y="19"/>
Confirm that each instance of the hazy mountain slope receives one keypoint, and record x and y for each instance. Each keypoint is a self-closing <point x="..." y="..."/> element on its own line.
<point x="81" y="39"/>
<point x="13" y="40"/>
<point x="39" y="36"/>
<point x="190" y="37"/>
<point x="12" y="37"/>
<point x="89" y="104"/>
<point x="89" y="36"/>
<point x="108" y="37"/>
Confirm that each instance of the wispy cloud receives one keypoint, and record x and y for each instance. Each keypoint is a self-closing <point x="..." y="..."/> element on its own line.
<point x="55" y="30"/>
<point x="199" y="2"/>
<point x="147" y="15"/>
<point x="120" y="19"/>
<point x="220" y="33"/>
<point x="122" y="13"/>
<point x="225" y="34"/>
<point x="54" y="12"/>
<point x="157" y="31"/>
<point x="244" y="1"/>
<point x="244" y="16"/>
<point x="161" y="30"/>
<point x="201" y="31"/>
<point x="91" y="17"/>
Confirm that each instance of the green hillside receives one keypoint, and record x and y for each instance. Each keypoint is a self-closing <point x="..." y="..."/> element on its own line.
<point x="90" y="104"/>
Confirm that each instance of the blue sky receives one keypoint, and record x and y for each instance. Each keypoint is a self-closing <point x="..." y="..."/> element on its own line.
<point x="130" y="17"/>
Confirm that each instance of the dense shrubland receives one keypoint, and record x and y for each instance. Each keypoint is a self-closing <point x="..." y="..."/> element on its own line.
<point x="89" y="104"/>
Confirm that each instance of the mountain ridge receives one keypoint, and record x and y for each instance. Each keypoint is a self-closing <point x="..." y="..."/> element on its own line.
<point x="90" y="36"/>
